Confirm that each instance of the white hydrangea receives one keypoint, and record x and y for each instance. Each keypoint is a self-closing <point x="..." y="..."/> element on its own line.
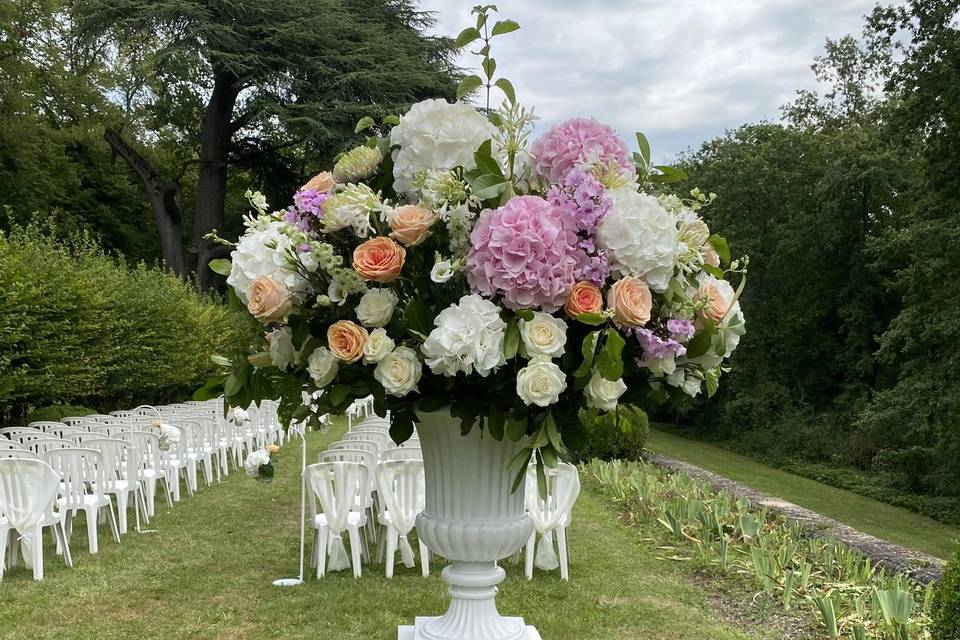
<point x="468" y="337"/>
<point x="640" y="237"/>
<point x="264" y="252"/>
<point x="435" y="134"/>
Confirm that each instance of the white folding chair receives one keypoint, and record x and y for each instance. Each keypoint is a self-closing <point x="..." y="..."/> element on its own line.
<point x="401" y="487"/>
<point x="335" y="484"/>
<point x="119" y="475"/>
<point x="81" y="488"/>
<point x="43" y="445"/>
<point x="28" y="491"/>
<point x="550" y="515"/>
<point x="17" y="453"/>
<point x="10" y="444"/>
<point x="149" y="469"/>
<point x="402" y="453"/>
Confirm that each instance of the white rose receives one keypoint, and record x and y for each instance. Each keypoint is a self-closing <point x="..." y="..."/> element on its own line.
<point x="376" y="307"/>
<point x="441" y="272"/>
<point x="322" y="366"/>
<point x="541" y="382"/>
<point x="282" y="353"/>
<point x="603" y="394"/>
<point x="468" y="337"/>
<point x="544" y="335"/>
<point x="435" y="134"/>
<point x="253" y="462"/>
<point x="377" y="346"/>
<point x="399" y="372"/>
<point x="728" y="333"/>
<point x="263" y="252"/>
<point x="640" y="237"/>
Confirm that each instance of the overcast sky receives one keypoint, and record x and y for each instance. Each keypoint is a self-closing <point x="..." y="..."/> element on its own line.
<point x="682" y="72"/>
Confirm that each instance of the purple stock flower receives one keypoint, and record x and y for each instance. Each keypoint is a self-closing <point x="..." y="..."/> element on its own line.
<point x="310" y="201"/>
<point x="655" y="347"/>
<point x="681" y="329"/>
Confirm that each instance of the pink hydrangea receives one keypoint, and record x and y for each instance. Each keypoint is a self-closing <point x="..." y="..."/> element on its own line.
<point x="575" y="142"/>
<point x="527" y="251"/>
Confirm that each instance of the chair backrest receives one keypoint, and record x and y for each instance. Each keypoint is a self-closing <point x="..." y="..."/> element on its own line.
<point x="10" y="444"/>
<point x="18" y="453"/>
<point x="563" y="487"/>
<point x="359" y="444"/>
<point x="119" y="459"/>
<point x="401" y="486"/>
<point x="24" y="435"/>
<point x="402" y="453"/>
<point x="82" y="437"/>
<point x="81" y="473"/>
<point x="335" y="484"/>
<point x="76" y="421"/>
<point x="45" y="425"/>
<point x="382" y="438"/>
<point x="43" y="445"/>
<point x="63" y="430"/>
<point x="146" y="452"/>
<point x="374" y="422"/>
<point x="28" y="489"/>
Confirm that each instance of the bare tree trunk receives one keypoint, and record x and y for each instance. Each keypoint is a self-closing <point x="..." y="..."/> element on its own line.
<point x="164" y="200"/>
<point x="215" y="140"/>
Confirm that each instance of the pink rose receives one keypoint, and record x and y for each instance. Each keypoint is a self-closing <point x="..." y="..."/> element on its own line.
<point x="269" y="301"/>
<point x="630" y="300"/>
<point x="716" y="306"/>
<point x="410" y="224"/>
<point x="380" y="259"/>
<point x="585" y="297"/>
<point x="346" y="339"/>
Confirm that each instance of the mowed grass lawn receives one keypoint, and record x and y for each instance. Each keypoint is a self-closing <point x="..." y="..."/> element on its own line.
<point x="207" y="573"/>
<point x="865" y="514"/>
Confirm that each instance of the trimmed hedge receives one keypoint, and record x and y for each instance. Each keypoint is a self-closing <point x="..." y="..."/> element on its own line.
<point x="615" y="435"/>
<point x="78" y="326"/>
<point x="56" y="413"/>
<point x="946" y="602"/>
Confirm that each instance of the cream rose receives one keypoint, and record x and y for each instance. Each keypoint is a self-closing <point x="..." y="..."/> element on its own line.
<point x="322" y="366"/>
<point x="410" y="224"/>
<point x="399" y="372"/>
<point x="544" y="335"/>
<point x="604" y="394"/>
<point x="541" y="382"/>
<point x="377" y="346"/>
<point x="376" y="307"/>
<point x="269" y="301"/>
<point x="630" y="300"/>
<point x="346" y="340"/>
<point x="282" y="353"/>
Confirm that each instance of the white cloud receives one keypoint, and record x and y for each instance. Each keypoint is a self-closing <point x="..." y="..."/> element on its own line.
<point x="681" y="72"/>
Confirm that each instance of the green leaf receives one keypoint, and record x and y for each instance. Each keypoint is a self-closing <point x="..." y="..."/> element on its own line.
<point x="496" y="423"/>
<point x="712" y="378"/>
<point x="541" y="477"/>
<point x="221" y="360"/>
<point x="716" y="272"/>
<point x="610" y="360"/>
<point x="644" y="145"/>
<point x="520" y="460"/>
<point x="260" y="359"/>
<point x="430" y="404"/>
<point x="487" y="186"/>
<point x="516" y="428"/>
<point x="593" y="319"/>
<point x="504" y="26"/>
<point x="417" y="316"/>
<point x="550" y="457"/>
<point x="553" y="433"/>
<point x="486" y="163"/>
<point x="668" y="175"/>
<point x="391" y="120"/>
<point x="507" y="87"/>
<point x="338" y="394"/>
<point x="699" y="345"/>
<point x="511" y="341"/>
<point x="468" y="85"/>
<point x="525" y="314"/>
<point x="489" y="67"/>
<point x="588" y="350"/>
<point x="363" y="123"/>
<point x="232" y="385"/>
<point x="719" y="244"/>
<point x="221" y="266"/>
<point x="466" y="36"/>
<point x="401" y="427"/>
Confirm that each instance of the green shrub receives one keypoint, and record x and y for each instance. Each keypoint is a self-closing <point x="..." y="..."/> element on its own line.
<point x="56" y="413"/>
<point x="946" y="602"/>
<point x="79" y="326"/>
<point x="614" y="435"/>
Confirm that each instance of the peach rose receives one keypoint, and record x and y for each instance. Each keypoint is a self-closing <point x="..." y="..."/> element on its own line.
<point x="272" y="448"/>
<point x="584" y="298"/>
<point x="323" y="182"/>
<point x="346" y="339"/>
<point x="379" y="259"/>
<point x="630" y="300"/>
<point x="410" y="224"/>
<point x="269" y="301"/>
<point x="716" y="307"/>
<point x="712" y="258"/>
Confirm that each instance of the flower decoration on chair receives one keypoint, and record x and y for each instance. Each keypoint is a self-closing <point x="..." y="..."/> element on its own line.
<point x="259" y="463"/>
<point x="169" y="435"/>
<point x="447" y="261"/>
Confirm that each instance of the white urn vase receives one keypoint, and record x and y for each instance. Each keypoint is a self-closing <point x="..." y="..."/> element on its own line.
<point x="471" y="518"/>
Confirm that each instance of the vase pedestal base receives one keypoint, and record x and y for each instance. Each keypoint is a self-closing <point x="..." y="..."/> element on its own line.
<point x="409" y="632"/>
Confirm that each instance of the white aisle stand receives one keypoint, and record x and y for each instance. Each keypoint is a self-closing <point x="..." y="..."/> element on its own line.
<point x="301" y="430"/>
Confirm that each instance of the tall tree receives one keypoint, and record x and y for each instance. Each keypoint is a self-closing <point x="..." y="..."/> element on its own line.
<point x="236" y="82"/>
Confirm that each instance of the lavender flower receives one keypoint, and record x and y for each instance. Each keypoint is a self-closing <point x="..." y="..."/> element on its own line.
<point x="681" y="330"/>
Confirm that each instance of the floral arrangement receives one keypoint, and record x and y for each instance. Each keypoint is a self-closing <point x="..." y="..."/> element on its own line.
<point x="449" y="262"/>
<point x="259" y="464"/>
<point x="169" y="435"/>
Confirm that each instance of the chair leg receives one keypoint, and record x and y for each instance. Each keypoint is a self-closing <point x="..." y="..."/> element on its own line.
<point x="424" y="559"/>
<point x="122" y="498"/>
<point x="322" y="551"/>
<point x="92" y="529"/>
<point x="113" y="523"/>
<point x="64" y="545"/>
<point x="528" y="559"/>
<point x="355" y="551"/>
<point x="316" y="547"/>
<point x="4" y="534"/>
<point x="36" y="549"/>
<point x="392" y="537"/>
<point x="562" y="545"/>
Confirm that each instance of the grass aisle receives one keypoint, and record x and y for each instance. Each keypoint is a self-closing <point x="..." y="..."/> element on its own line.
<point x="206" y="574"/>
<point x="866" y="514"/>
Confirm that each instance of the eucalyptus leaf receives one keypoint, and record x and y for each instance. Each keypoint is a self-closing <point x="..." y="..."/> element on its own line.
<point x="221" y="266"/>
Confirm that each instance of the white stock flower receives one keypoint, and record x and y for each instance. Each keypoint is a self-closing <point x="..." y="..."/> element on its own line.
<point x="435" y="134"/>
<point x="544" y="335"/>
<point x="282" y="353"/>
<point x="541" y="382"/>
<point x="264" y="252"/>
<point x="604" y="394"/>
<point x="376" y="307"/>
<point x="640" y="237"/>
<point x="377" y="346"/>
<point x="442" y="271"/>
<point x="322" y="366"/>
<point x="399" y="372"/>
<point x="468" y="337"/>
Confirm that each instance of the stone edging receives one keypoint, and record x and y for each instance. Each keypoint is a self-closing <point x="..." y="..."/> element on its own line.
<point x="919" y="566"/>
